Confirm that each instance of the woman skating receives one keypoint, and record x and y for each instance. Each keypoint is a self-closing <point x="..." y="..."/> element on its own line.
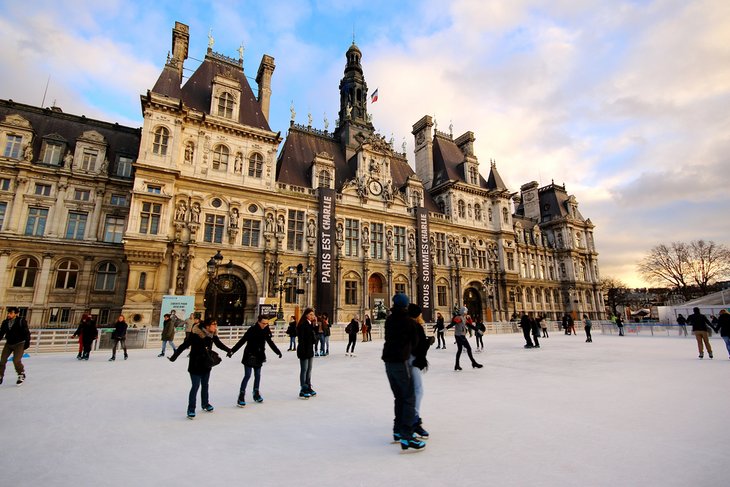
<point x="458" y="322"/>
<point x="439" y="329"/>
<point x="305" y="352"/>
<point x="587" y="327"/>
<point x="200" y="341"/>
<point x="88" y="333"/>
<point x="119" y="335"/>
<point x="254" y="356"/>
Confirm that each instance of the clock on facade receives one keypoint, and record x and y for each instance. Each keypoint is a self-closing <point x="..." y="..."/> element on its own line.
<point x="375" y="187"/>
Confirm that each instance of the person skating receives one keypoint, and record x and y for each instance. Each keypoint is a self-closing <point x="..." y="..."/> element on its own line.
<point x="168" y="334"/>
<point x="564" y="324"/>
<point x="325" y="338"/>
<point x="700" y="326"/>
<point x="542" y="322"/>
<point x="292" y="332"/>
<point x="305" y="352"/>
<point x="479" y="330"/>
<point x="723" y="328"/>
<point x="535" y="330"/>
<point x="401" y="338"/>
<point x="352" y="329"/>
<point x="526" y="325"/>
<point x="439" y="329"/>
<point x="369" y="324"/>
<point x="682" y="323"/>
<point x="200" y="362"/>
<point x="620" y="324"/>
<point x="14" y="329"/>
<point x="119" y="335"/>
<point x="88" y="332"/>
<point x="459" y="324"/>
<point x="587" y="325"/>
<point x="254" y="356"/>
<point x="419" y="365"/>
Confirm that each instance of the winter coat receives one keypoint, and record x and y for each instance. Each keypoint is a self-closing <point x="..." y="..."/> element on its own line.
<point x="87" y="330"/>
<point x="353" y="328"/>
<point x="723" y="322"/>
<point x="17" y="334"/>
<point x="421" y="349"/>
<point x="526" y="322"/>
<point x="439" y="326"/>
<point x="305" y="336"/>
<point x="168" y="330"/>
<point x="698" y="321"/>
<point x="291" y="330"/>
<point x="120" y="330"/>
<point x="401" y="336"/>
<point x="255" y="338"/>
<point x="459" y="324"/>
<point x="326" y="328"/>
<point x="200" y="343"/>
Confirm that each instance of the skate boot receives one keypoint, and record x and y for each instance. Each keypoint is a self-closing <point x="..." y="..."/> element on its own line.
<point x="241" y="400"/>
<point x="21" y="379"/>
<point x="412" y="443"/>
<point x="208" y="408"/>
<point x="112" y="359"/>
<point x="312" y="393"/>
<point x="257" y="397"/>
<point x="304" y="395"/>
<point x="126" y="356"/>
<point x="191" y="414"/>
<point x="419" y="431"/>
<point x="1" y="380"/>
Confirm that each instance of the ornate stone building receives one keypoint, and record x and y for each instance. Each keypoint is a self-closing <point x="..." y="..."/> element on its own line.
<point x="339" y="219"/>
<point x="65" y="187"/>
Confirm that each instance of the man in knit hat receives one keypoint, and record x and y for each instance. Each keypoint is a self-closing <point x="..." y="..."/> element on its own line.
<point x="401" y="339"/>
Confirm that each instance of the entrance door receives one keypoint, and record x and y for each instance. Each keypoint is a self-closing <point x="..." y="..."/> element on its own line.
<point x="473" y="302"/>
<point x="225" y="300"/>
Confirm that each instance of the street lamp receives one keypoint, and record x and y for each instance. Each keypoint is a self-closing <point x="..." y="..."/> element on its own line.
<point x="489" y="289"/>
<point x="213" y="268"/>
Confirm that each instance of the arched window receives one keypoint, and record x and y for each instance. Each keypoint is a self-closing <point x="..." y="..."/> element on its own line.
<point x="225" y="105"/>
<point x="473" y="175"/>
<point x="161" y="140"/>
<point x="220" y="158"/>
<point x="461" y="208"/>
<point x="324" y="179"/>
<point x="255" y="165"/>
<point x="106" y="277"/>
<point x="66" y="275"/>
<point x="142" y="281"/>
<point x="442" y="207"/>
<point x="478" y="212"/>
<point x="505" y="215"/>
<point x="25" y="271"/>
<point x="490" y="214"/>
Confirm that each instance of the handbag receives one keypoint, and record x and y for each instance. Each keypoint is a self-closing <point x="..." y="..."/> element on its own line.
<point x="213" y="357"/>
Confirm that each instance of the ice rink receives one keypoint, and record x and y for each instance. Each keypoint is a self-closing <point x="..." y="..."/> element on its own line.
<point x="621" y="411"/>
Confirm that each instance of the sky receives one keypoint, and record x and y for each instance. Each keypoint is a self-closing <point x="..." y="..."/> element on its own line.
<point x="620" y="411"/>
<point x="624" y="102"/>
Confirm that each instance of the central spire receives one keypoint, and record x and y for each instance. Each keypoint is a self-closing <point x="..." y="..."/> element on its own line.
<point x="353" y="113"/>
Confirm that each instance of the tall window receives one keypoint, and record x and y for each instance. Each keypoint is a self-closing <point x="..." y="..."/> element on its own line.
<point x="149" y="222"/>
<point x="441" y="295"/>
<point x="12" y="146"/>
<point x="490" y="214"/>
<point x="400" y="287"/>
<point x="352" y="237"/>
<point x="25" y="271"/>
<point x="142" y="283"/>
<point x="324" y="179"/>
<point x="124" y="166"/>
<point x="510" y="261"/>
<point x="440" y="248"/>
<point x="214" y="225"/>
<point x="225" y="105"/>
<point x="251" y="231"/>
<point x="36" y="223"/>
<point x="88" y="159"/>
<point x="482" y="259"/>
<point x="478" y="212"/>
<point x="376" y="240"/>
<point x="399" y="243"/>
<point x="113" y="229"/>
<point x="350" y="292"/>
<point x="295" y="230"/>
<point x="76" y="225"/>
<point x="66" y="275"/>
<point x="474" y="175"/>
<point x="4" y="184"/>
<point x="52" y="153"/>
<point x="161" y="139"/>
<point x="42" y="189"/>
<point x="3" y="210"/>
<point x="106" y="277"/>
<point x="220" y="158"/>
<point x="82" y="195"/>
<point x="118" y="200"/>
<point x="461" y="206"/>
<point x="505" y="215"/>
<point x="465" y="257"/>
<point x="255" y="165"/>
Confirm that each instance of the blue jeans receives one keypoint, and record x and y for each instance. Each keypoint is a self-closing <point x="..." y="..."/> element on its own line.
<point x="727" y="343"/>
<point x="247" y="375"/>
<point x="165" y="342"/>
<point x="305" y="373"/>
<point x="417" y="375"/>
<point x="324" y="344"/>
<point x="293" y="342"/>
<point x="401" y="383"/>
<point x="199" y="381"/>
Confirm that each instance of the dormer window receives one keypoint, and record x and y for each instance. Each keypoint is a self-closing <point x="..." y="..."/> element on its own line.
<point x="53" y="152"/>
<point x="88" y="159"/>
<point x="473" y="175"/>
<point x="505" y="215"/>
<point x="162" y="137"/>
<point x="324" y="179"/>
<point x="12" y="146"/>
<point x="225" y="105"/>
<point x="461" y="206"/>
<point x="124" y="166"/>
<point x="220" y="158"/>
<point x="255" y="165"/>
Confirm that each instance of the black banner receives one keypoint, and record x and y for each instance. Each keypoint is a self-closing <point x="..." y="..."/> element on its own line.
<point x="423" y="252"/>
<point x="326" y="253"/>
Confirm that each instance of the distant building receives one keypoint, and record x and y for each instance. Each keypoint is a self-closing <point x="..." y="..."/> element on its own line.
<point x="339" y="219"/>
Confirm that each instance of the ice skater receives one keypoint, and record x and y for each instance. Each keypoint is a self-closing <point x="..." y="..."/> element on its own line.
<point x="458" y="323"/>
<point x="88" y="333"/>
<point x="479" y="330"/>
<point x="305" y="352"/>
<point x="682" y="323"/>
<point x="542" y="321"/>
<point x="438" y="328"/>
<point x="292" y="332"/>
<point x="723" y="328"/>
<point x="587" y="325"/>
<point x="526" y="325"/>
<point x="119" y="335"/>
<point x="620" y="324"/>
<point x="15" y="330"/>
<point x="168" y="334"/>
<point x="352" y="329"/>
<point x="419" y="365"/>
<point x="700" y="326"/>
<point x="200" y="362"/>
<point x="254" y="356"/>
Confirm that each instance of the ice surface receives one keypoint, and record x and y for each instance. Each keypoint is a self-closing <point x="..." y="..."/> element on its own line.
<point x="621" y="411"/>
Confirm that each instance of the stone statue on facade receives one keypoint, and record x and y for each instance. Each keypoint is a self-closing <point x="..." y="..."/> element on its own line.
<point x="195" y="213"/>
<point x="311" y="229"/>
<point x="181" y="210"/>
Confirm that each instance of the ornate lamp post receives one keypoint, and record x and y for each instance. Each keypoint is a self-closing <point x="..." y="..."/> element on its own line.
<point x="213" y="269"/>
<point x="489" y="289"/>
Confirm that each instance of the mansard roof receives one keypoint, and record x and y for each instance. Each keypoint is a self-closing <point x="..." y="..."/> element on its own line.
<point x="554" y="204"/>
<point x="448" y="161"/>
<point x="169" y="82"/>
<point x="495" y="180"/>
<point x="52" y="123"/>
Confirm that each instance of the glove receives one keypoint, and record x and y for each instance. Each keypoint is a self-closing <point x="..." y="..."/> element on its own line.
<point x="172" y="358"/>
<point x="279" y="354"/>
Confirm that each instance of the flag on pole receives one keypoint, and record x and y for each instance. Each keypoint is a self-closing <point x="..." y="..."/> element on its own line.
<point x="374" y="96"/>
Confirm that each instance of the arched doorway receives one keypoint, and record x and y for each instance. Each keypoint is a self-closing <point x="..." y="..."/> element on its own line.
<point x="378" y="298"/>
<point x="473" y="302"/>
<point x="226" y="301"/>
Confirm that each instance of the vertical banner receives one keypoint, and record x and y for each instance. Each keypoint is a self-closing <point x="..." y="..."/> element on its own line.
<point x="423" y="254"/>
<point x="326" y="253"/>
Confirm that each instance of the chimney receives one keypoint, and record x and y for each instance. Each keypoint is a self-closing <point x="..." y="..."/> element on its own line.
<point x="424" y="150"/>
<point x="531" y="200"/>
<point x="263" y="79"/>
<point x="180" y="41"/>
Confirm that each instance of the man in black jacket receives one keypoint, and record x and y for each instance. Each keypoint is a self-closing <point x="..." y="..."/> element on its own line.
<point x="401" y="339"/>
<point x="17" y="339"/>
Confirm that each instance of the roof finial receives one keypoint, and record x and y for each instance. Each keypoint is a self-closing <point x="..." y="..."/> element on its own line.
<point x="211" y="41"/>
<point x="240" y="52"/>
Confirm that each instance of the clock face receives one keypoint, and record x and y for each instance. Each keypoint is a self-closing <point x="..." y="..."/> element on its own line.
<point x="375" y="187"/>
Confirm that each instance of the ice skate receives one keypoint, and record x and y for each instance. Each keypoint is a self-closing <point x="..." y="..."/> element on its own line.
<point x="191" y="414"/>
<point x="208" y="408"/>
<point x="413" y="443"/>
<point x="257" y="397"/>
<point x="21" y="379"/>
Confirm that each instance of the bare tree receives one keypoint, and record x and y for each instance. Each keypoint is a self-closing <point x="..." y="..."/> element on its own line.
<point x="615" y="291"/>
<point x="668" y="264"/>
<point x="681" y="265"/>
<point x="709" y="261"/>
